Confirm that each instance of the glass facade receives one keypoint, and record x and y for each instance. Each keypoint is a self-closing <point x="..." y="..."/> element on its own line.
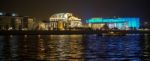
<point x="117" y="22"/>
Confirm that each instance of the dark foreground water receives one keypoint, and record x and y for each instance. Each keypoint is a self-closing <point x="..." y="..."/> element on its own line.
<point x="131" y="47"/>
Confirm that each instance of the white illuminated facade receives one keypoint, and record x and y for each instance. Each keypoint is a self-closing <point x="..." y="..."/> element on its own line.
<point x="62" y="21"/>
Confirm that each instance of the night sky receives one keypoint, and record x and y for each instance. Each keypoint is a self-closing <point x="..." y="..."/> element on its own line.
<point x="43" y="9"/>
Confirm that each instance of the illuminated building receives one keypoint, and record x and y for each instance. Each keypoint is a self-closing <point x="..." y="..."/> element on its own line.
<point x="118" y="23"/>
<point x="39" y="25"/>
<point x="10" y="21"/>
<point x="62" y="21"/>
<point x="27" y="23"/>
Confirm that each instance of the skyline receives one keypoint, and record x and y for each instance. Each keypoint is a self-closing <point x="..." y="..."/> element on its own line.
<point x="84" y="9"/>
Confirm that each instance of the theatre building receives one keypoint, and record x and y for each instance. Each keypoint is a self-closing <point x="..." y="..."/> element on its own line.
<point x="63" y="21"/>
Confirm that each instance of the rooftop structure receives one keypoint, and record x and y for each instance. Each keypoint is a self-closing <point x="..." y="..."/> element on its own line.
<point x="63" y="16"/>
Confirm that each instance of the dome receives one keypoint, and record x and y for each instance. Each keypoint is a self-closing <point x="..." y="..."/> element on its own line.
<point x="60" y="16"/>
<point x="73" y="18"/>
<point x="63" y="17"/>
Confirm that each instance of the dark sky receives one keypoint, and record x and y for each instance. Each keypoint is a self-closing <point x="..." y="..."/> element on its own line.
<point x="84" y="9"/>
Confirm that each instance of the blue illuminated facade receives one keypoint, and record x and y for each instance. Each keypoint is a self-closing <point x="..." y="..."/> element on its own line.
<point x="119" y="22"/>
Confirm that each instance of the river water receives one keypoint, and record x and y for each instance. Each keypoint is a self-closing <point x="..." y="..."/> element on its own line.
<point x="130" y="47"/>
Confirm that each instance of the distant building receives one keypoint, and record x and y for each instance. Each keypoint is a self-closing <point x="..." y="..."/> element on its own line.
<point x="114" y="23"/>
<point x="28" y="23"/>
<point x="62" y="21"/>
<point x="10" y="22"/>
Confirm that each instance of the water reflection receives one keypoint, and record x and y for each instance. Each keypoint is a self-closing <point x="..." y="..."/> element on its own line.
<point x="65" y="47"/>
<point x="74" y="47"/>
<point x="112" y="48"/>
<point x="146" y="47"/>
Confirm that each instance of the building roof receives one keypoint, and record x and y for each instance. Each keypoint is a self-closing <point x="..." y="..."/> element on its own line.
<point x="63" y="16"/>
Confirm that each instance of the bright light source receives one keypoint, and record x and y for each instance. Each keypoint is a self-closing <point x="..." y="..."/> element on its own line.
<point x="1" y="13"/>
<point x="13" y="14"/>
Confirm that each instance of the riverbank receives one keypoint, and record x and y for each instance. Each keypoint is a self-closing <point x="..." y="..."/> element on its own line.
<point x="48" y="32"/>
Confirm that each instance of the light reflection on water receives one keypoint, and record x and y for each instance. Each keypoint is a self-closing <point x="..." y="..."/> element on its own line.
<point x="74" y="47"/>
<point x="66" y="47"/>
<point x="113" y="48"/>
